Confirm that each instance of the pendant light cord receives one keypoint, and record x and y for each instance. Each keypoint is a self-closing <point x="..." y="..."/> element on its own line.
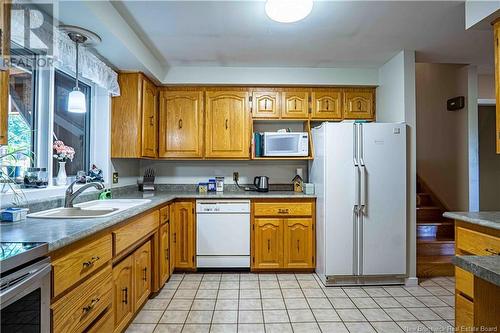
<point x="77" y="88"/>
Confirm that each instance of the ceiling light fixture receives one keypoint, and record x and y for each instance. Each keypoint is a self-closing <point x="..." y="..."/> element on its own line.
<point x="288" y="11"/>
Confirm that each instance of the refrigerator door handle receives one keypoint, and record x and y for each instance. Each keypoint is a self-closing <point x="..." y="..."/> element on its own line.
<point x="355" y="144"/>
<point x="362" y="194"/>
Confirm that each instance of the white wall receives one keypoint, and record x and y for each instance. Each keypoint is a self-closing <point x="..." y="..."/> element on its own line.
<point x="396" y="103"/>
<point x="486" y="87"/>
<point x="391" y="90"/>
<point x="442" y="136"/>
<point x="271" y="75"/>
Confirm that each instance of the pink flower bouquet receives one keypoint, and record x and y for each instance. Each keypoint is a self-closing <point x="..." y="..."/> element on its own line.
<point x="63" y="152"/>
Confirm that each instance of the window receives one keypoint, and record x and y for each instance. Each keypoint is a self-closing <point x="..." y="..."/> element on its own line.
<point x="21" y="118"/>
<point x="71" y="128"/>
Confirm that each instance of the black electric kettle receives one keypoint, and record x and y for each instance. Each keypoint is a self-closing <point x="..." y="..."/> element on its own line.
<point x="261" y="183"/>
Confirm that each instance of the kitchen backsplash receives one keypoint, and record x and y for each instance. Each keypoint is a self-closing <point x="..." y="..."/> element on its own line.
<point x="193" y="172"/>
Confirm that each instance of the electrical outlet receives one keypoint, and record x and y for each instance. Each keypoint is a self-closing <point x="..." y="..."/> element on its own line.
<point x="236" y="176"/>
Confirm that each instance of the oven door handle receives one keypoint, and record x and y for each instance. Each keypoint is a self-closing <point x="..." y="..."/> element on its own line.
<point x="23" y="283"/>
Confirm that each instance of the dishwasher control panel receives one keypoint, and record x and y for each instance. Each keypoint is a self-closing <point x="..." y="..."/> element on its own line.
<point x="222" y="206"/>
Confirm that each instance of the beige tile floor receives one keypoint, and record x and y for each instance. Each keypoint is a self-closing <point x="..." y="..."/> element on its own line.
<point x="234" y="302"/>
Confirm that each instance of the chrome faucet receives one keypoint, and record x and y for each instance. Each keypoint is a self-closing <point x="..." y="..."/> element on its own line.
<point x="71" y="196"/>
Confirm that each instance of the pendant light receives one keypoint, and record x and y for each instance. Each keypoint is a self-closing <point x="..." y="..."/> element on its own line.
<point x="288" y="11"/>
<point x="80" y="36"/>
<point x="76" y="99"/>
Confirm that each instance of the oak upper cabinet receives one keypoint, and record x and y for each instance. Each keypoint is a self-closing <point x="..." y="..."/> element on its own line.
<point x="299" y="243"/>
<point x="164" y="253"/>
<point x="496" y="28"/>
<point x="181" y="124"/>
<point x="4" y="72"/>
<point x="184" y="235"/>
<point x="227" y="132"/>
<point x="359" y="103"/>
<point x="327" y="104"/>
<point x="268" y="243"/>
<point x="123" y="298"/>
<point x="265" y="104"/>
<point x="142" y="274"/>
<point x="149" y="119"/>
<point x="295" y="104"/>
<point x="134" y="120"/>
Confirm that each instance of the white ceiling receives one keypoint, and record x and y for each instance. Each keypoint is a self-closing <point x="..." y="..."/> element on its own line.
<point x="336" y="34"/>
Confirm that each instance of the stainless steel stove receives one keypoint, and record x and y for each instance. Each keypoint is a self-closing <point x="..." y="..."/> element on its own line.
<point x="24" y="287"/>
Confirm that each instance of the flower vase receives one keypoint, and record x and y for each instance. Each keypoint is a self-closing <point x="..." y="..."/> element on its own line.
<point x="61" y="174"/>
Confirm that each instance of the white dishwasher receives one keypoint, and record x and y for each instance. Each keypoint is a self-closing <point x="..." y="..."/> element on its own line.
<point x="222" y="233"/>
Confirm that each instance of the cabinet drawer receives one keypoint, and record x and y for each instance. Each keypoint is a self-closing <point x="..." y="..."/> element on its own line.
<point x="283" y="209"/>
<point x="464" y="282"/>
<point x="464" y="314"/>
<point x="164" y="214"/>
<point x="473" y="242"/>
<point x="79" y="263"/>
<point x="134" y="231"/>
<point x="76" y="310"/>
<point x="104" y="324"/>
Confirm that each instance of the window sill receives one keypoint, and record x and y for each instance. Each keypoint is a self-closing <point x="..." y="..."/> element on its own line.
<point x="32" y="195"/>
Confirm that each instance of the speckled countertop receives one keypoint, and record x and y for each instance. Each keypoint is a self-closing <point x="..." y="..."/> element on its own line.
<point x="484" y="267"/>
<point x="485" y="219"/>
<point x="59" y="232"/>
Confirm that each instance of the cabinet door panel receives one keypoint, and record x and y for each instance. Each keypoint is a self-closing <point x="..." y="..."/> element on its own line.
<point x="181" y="124"/>
<point x="228" y="124"/>
<point x="268" y="243"/>
<point x="164" y="253"/>
<point x="149" y="119"/>
<point x="299" y="243"/>
<point x="142" y="273"/>
<point x="359" y="104"/>
<point x="184" y="235"/>
<point x="295" y="104"/>
<point x="265" y="104"/>
<point x="123" y="304"/>
<point x="327" y="104"/>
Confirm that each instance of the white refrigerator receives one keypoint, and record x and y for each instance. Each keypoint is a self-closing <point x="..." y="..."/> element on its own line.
<point x="359" y="173"/>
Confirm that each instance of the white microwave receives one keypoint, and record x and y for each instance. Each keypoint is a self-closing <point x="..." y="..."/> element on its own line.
<point x="286" y="144"/>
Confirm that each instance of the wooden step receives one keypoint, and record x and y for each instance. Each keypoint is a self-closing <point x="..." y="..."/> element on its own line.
<point x="430" y="246"/>
<point x="424" y="199"/>
<point x="444" y="229"/>
<point x="429" y="213"/>
<point x="435" y="266"/>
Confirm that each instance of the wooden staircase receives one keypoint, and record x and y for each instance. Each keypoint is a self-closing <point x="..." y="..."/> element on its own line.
<point x="435" y="235"/>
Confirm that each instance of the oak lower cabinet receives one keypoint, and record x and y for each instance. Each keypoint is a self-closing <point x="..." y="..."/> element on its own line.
<point x="299" y="243"/>
<point x="227" y="130"/>
<point x="283" y="235"/>
<point x="183" y="221"/>
<point x="123" y="302"/>
<point x="181" y="124"/>
<point x="142" y="273"/>
<point x="164" y="253"/>
<point x="475" y="299"/>
<point x="359" y="103"/>
<point x="268" y="243"/>
<point x="132" y="285"/>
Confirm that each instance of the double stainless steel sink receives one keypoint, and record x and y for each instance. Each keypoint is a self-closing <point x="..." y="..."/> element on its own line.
<point x="91" y="209"/>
